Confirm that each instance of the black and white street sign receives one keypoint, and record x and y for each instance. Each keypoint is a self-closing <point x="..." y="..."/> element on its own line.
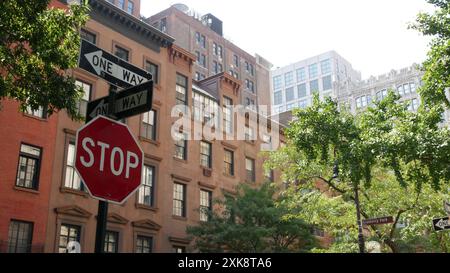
<point x="109" y="67"/>
<point x="441" y="224"/>
<point x="128" y="102"/>
<point x="378" y="221"/>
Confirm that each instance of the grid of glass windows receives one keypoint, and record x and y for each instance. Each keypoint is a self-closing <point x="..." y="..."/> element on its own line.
<point x="153" y="69"/>
<point x="146" y="192"/>
<point x="301" y="74"/>
<point x="363" y="101"/>
<point x="227" y="115"/>
<point x="180" y="146"/>
<point x="205" y="109"/>
<point x="277" y="98"/>
<point x="205" y="204"/>
<point x="148" y="130"/>
<point x="249" y="133"/>
<point x="20" y="237"/>
<point x="326" y="83"/>
<point x="121" y="53"/>
<point x="228" y="160"/>
<point x="380" y="95"/>
<point x="82" y="105"/>
<point x="40" y="113"/>
<point x="301" y="90"/>
<point x="277" y="82"/>
<point x="179" y="205"/>
<point x="313" y="71"/>
<point x="67" y="234"/>
<point x="406" y="88"/>
<point x="314" y="86"/>
<point x="144" y="244"/>
<point x="72" y="180"/>
<point x="130" y="8"/>
<point x="325" y="66"/>
<point x="413" y="104"/>
<point x="111" y="242"/>
<point x="181" y="90"/>
<point x="250" y="169"/>
<point x="205" y="154"/>
<point x="28" y="169"/>
<point x="303" y="104"/>
<point x="289" y="78"/>
<point x="290" y="94"/>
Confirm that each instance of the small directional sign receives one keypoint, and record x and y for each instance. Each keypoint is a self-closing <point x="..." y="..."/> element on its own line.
<point x="128" y="102"/>
<point x="378" y="221"/>
<point x="441" y="224"/>
<point x="109" y="67"/>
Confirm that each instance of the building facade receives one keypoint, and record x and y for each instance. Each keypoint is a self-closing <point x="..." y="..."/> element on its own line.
<point x="45" y="206"/>
<point x="202" y="35"/>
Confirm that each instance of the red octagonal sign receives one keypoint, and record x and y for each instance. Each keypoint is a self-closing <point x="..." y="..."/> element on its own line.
<point x="108" y="160"/>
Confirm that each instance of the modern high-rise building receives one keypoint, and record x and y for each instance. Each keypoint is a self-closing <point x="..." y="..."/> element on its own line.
<point x="293" y="86"/>
<point x="202" y="35"/>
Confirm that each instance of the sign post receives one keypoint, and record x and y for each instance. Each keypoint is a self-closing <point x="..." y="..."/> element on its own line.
<point x="117" y="105"/>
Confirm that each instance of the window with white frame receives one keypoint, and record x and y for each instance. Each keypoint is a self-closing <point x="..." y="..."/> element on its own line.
<point x="205" y="204"/>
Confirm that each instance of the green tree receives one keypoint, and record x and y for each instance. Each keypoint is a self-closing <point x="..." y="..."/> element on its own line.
<point x="37" y="46"/>
<point x="253" y="222"/>
<point x="437" y="66"/>
<point x="395" y="158"/>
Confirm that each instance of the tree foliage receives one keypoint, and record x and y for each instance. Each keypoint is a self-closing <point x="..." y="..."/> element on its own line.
<point x="37" y="45"/>
<point x="397" y="159"/>
<point x="252" y="222"/>
<point x="437" y="66"/>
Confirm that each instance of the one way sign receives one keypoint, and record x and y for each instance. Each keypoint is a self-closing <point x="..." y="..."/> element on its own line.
<point x="128" y="102"/>
<point x="109" y="67"/>
<point x="441" y="224"/>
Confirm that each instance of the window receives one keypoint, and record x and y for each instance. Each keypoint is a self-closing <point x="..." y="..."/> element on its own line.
<point x="144" y="244"/>
<point x="68" y="233"/>
<point x="303" y="104"/>
<point x="20" y="237"/>
<point x="148" y="130"/>
<point x="314" y="86"/>
<point x="82" y="105"/>
<point x="197" y="37"/>
<point x="205" y="154"/>
<point x="290" y="94"/>
<point x="363" y="101"/>
<point x="203" y="41"/>
<point x="122" y="4"/>
<point x="276" y="82"/>
<point x="215" y="67"/>
<point x="277" y="98"/>
<point x="290" y="106"/>
<point x="163" y="25"/>
<point x="406" y="88"/>
<point x="130" y="8"/>
<point x="40" y="113"/>
<point x="325" y="66"/>
<point x="197" y="76"/>
<point x="145" y="195"/>
<point x="205" y="204"/>
<point x="111" y="242"/>
<point x="220" y="67"/>
<point x="72" y="180"/>
<point x="201" y="59"/>
<point x="29" y="165"/>
<point x="180" y="147"/>
<point x="205" y="109"/>
<point x="326" y="83"/>
<point x="227" y="115"/>
<point x="301" y="74"/>
<point x="214" y="48"/>
<point x="228" y="160"/>
<point x="380" y="95"/>
<point x="250" y="169"/>
<point x="220" y="51"/>
<point x="400" y="90"/>
<point x="413" y="105"/>
<point x="412" y="85"/>
<point x="249" y="134"/>
<point x="179" y="249"/>
<point x="181" y="90"/>
<point x="301" y="90"/>
<point x="313" y="71"/>
<point x="88" y="36"/>
<point x="236" y="60"/>
<point x="121" y="53"/>
<point x="289" y="78"/>
<point x="179" y="205"/>
<point x="153" y="69"/>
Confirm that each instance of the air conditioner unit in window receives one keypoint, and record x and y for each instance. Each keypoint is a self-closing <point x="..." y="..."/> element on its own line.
<point x="207" y="172"/>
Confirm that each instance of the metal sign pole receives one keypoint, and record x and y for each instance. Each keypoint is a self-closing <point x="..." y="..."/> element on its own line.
<point x="102" y="212"/>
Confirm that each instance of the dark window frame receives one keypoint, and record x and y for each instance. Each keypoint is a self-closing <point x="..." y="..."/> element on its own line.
<point x="37" y="167"/>
<point x="108" y="234"/>
<point x="230" y="170"/>
<point x="152" y="188"/>
<point x="182" y="202"/>
<point x="208" y="156"/>
<point x="14" y="248"/>
<point x="142" y="247"/>
<point x="70" y="227"/>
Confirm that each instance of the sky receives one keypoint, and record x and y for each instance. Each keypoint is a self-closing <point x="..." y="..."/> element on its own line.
<point x="372" y="35"/>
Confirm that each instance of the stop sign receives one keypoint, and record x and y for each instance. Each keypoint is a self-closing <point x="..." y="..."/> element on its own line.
<point x="108" y="160"/>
